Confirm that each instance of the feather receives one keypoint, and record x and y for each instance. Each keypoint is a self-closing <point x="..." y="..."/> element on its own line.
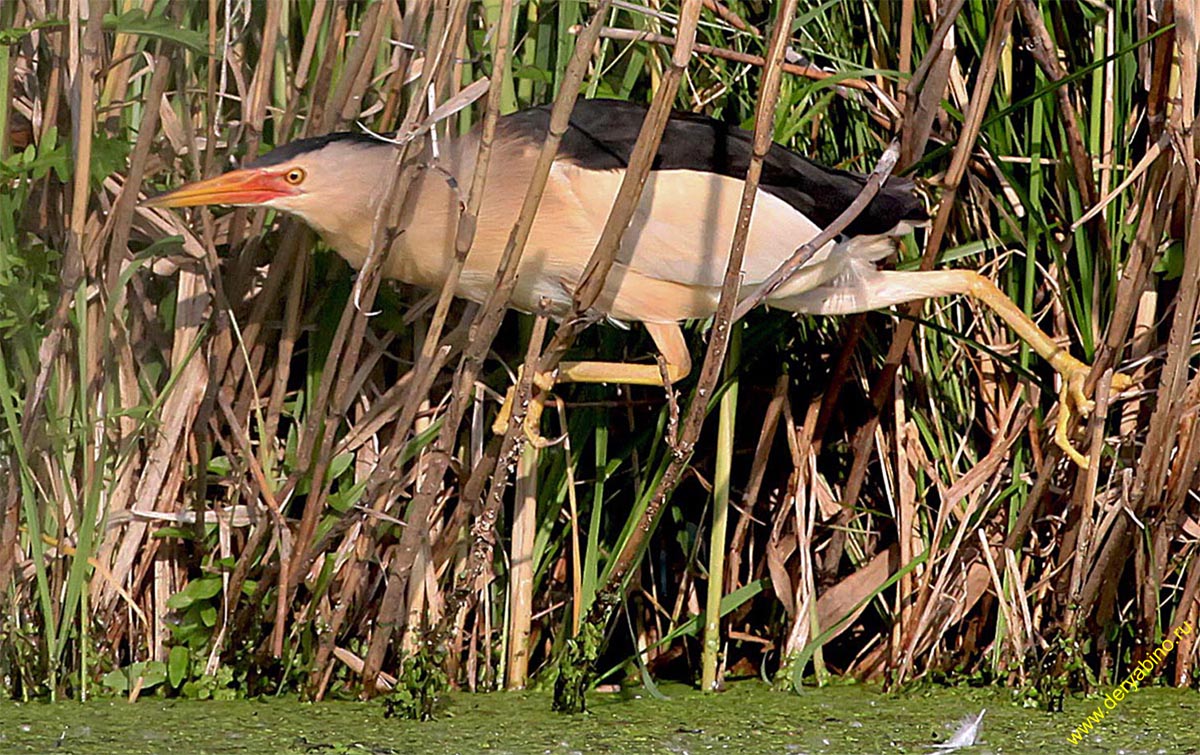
<point x="603" y="133"/>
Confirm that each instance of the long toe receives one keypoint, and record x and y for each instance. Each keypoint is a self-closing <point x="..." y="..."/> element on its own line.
<point x="1066" y="398"/>
<point x="1079" y="400"/>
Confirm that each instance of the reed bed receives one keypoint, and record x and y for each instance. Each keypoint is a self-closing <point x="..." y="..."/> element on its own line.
<point x="232" y="466"/>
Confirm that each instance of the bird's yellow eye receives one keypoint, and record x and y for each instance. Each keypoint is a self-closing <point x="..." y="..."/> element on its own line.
<point x="294" y="176"/>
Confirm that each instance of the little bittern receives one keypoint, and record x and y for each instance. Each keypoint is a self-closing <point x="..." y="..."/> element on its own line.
<point x="672" y="258"/>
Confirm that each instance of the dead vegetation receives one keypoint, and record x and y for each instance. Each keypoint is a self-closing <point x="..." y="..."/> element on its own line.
<point x="222" y="473"/>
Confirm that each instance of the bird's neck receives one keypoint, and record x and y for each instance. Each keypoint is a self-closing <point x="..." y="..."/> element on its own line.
<point x="424" y="245"/>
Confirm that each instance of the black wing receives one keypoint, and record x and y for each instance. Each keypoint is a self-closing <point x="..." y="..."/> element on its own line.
<point x="603" y="133"/>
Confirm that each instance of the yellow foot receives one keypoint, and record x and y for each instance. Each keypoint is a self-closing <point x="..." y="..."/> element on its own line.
<point x="533" y="413"/>
<point x="1073" y="400"/>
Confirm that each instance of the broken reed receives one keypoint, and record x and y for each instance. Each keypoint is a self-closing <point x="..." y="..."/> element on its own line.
<point x="213" y="457"/>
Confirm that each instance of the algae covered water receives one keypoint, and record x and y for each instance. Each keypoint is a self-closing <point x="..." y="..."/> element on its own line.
<point x="747" y="719"/>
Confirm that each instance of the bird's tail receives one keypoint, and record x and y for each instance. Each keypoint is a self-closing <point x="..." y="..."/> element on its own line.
<point x="873" y="248"/>
<point x="844" y="281"/>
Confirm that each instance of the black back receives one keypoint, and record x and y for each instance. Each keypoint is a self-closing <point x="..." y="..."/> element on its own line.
<point x="603" y="133"/>
<point x="299" y="147"/>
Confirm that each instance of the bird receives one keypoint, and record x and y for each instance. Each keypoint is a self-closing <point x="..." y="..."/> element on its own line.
<point x="671" y="262"/>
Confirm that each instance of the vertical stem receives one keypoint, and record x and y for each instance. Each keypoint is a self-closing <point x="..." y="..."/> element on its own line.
<point x="85" y="56"/>
<point x="727" y="413"/>
<point x="483" y="331"/>
<point x="84" y="640"/>
<point x="528" y="54"/>
<point x="524" y="530"/>
<point x="714" y="356"/>
<point x="576" y="554"/>
<point x="5" y="74"/>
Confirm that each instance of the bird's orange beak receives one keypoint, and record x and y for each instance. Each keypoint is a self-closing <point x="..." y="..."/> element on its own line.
<point x="249" y="186"/>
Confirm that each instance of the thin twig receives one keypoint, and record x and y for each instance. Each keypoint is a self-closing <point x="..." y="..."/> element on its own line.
<point x="1046" y="54"/>
<point x="714" y="357"/>
<point x="483" y="332"/>
<point x="800" y="257"/>
<point x="811" y="72"/>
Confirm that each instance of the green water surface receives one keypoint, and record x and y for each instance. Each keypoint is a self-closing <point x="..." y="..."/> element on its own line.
<point x="747" y="719"/>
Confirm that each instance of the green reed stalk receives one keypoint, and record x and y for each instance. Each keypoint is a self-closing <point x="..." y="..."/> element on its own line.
<point x="727" y="415"/>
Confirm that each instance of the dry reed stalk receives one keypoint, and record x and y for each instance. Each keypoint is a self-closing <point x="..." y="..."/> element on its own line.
<point x="1084" y="499"/>
<point x="524" y="532"/>
<point x="1044" y="51"/>
<point x="119" y="255"/>
<point x="904" y="58"/>
<point x="1018" y="578"/>
<point x="349" y="93"/>
<point x="116" y="83"/>
<point x="758" y="470"/>
<point x="922" y="96"/>
<point x="464" y="236"/>
<point x="241" y="565"/>
<point x="1150" y="227"/>
<point x="731" y="18"/>
<point x="780" y="547"/>
<point x="1111" y="558"/>
<point x="283" y="536"/>
<point x="805" y="624"/>
<point x="906" y="514"/>
<point x="1000" y="30"/>
<point x="297" y="239"/>
<point x="483" y="332"/>
<point x="338" y="386"/>
<point x="947" y="16"/>
<point x="254" y="109"/>
<point x="1159" y="488"/>
<point x="1006" y="610"/>
<point x="1151" y="222"/>
<point x="714" y="356"/>
<point x="736" y="56"/>
<point x="333" y="391"/>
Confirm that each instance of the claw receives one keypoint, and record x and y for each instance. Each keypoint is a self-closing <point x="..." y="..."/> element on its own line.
<point x="1072" y="399"/>
<point x="533" y="424"/>
<point x="1065" y="398"/>
<point x="1083" y="405"/>
<point x="533" y="413"/>
<point x="500" y="424"/>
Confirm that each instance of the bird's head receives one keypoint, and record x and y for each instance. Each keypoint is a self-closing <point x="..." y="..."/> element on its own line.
<point x="319" y="179"/>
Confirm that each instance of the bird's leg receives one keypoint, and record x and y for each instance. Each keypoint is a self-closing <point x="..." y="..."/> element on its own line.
<point x="885" y="288"/>
<point x="543" y="382"/>
<point x="671" y="346"/>
<point x="1074" y="372"/>
<point x="621" y="373"/>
